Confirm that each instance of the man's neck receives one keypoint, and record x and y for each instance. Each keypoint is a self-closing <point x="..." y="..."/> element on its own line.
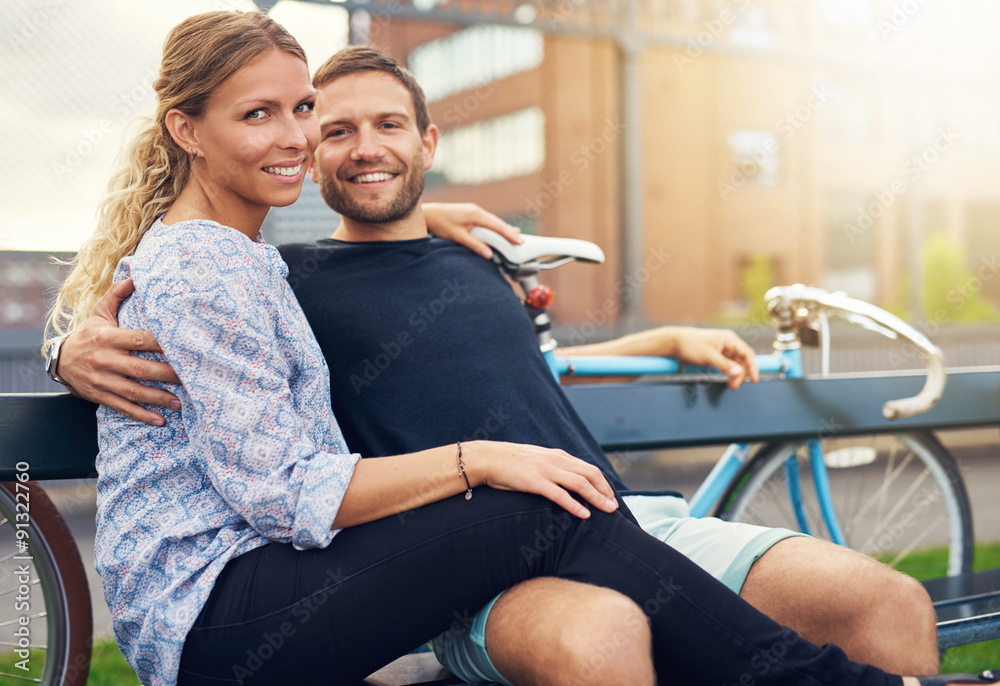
<point x="408" y="228"/>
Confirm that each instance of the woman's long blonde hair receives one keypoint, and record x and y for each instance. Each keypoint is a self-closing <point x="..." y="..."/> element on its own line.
<point x="198" y="55"/>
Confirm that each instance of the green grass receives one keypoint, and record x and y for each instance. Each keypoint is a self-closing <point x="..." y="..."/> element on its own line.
<point x="9" y="662"/>
<point x="932" y="563"/>
<point x="108" y="667"/>
<point x="972" y="658"/>
<point x="977" y="656"/>
<point x="987" y="556"/>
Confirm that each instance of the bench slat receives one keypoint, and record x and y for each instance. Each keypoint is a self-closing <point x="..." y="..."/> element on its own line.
<point x="960" y="632"/>
<point x="967" y="607"/>
<point x="421" y="669"/>
<point x="652" y="415"/>
<point x="965" y="588"/>
<point x="55" y="433"/>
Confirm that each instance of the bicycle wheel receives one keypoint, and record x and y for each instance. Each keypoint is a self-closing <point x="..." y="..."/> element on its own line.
<point x="44" y="596"/>
<point x="899" y="498"/>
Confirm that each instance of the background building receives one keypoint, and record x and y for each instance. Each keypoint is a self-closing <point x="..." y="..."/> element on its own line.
<point x="711" y="147"/>
<point x="825" y="142"/>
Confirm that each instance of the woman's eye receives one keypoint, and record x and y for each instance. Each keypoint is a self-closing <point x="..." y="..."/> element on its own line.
<point x="258" y="113"/>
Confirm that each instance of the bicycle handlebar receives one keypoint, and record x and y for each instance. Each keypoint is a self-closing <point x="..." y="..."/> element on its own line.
<point x="786" y="305"/>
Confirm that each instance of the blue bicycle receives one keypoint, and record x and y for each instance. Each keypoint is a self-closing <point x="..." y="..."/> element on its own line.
<point x="899" y="497"/>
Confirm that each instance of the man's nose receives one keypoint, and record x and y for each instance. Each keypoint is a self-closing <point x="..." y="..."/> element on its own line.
<point x="368" y="146"/>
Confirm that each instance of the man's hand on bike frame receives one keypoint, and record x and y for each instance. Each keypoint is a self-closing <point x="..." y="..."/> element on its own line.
<point x="719" y="348"/>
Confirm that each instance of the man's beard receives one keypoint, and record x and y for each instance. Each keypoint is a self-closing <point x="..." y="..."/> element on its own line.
<point x="397" y="207"/>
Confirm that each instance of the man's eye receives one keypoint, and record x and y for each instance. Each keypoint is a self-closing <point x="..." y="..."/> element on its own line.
<point x="306" y="107"/>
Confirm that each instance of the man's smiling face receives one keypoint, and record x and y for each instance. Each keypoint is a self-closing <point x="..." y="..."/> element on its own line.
<point x="372" y="157"/>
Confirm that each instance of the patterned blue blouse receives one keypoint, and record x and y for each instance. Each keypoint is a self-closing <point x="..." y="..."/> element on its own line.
<point x="253" y="455"/>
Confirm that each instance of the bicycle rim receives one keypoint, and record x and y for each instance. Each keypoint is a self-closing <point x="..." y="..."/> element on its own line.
<point x="52" y="620"/>
<point x="899" y="498"/>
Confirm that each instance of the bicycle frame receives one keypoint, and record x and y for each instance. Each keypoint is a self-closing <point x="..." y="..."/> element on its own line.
<point x="787" y="363"/>
<point x="797" y="311"/>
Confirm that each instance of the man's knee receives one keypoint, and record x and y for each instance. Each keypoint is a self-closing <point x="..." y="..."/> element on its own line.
<point x="554" y="631"/>
<point x="914" y="600"/>
<point x="604" y="639"/>
<point x="829" y="593"/>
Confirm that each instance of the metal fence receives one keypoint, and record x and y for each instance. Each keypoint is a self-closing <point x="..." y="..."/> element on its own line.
<point x="22" y="369"/>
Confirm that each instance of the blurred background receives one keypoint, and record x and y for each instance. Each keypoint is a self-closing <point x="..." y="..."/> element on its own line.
<point x="713" y="148"/>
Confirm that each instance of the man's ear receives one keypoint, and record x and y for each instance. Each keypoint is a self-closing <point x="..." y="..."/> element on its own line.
<point x="429" y="142"/>
<point x="181" y="128"/>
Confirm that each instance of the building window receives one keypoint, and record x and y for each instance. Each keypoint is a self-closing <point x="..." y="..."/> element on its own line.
<point x="855" y="14"/>
<point x="849" y="227"/>
<point x="474" y="56"/>
<point x="983" y="231"/>
<point x="492" y="149"/>
<point x="755" y="28"/>
<point x="978" y="114"/>
<point x="850" y="116"/>
<point x="756" y="156"/>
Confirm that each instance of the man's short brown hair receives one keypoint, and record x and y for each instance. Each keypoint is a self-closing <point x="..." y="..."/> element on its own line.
<point x="356" y="58"/>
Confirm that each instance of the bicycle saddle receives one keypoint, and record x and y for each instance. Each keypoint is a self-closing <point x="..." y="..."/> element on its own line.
<point x="539" y="249"/>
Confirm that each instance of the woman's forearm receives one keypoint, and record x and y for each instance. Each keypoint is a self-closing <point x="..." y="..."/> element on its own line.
<point x="385" y="486"/>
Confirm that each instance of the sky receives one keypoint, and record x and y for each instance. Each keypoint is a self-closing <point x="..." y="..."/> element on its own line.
<point x="73" y="75"/>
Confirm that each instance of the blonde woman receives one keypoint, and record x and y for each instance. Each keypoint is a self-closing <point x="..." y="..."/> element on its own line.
<point x="240" y="542"/>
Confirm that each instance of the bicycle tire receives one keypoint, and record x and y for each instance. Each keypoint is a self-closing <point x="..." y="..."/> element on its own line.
<point x="58" y="602"/>
<point x="883" y="495"/>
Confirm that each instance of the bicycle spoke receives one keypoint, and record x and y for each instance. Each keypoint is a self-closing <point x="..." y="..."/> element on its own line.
<point x="884" y="524"/>
<point x="898" y="506"/>
<point x="32" y="618"/>
<point x="18" y="645"/>
<point x="881" y="496"/>
<point x="13" y="589"/>
<point x="917" y="541"/>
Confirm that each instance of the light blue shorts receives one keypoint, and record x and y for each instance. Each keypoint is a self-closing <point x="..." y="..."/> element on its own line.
<point x="726" y="550"/>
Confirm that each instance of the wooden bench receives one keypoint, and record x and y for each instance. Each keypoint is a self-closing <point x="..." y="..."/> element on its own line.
<point x="420" y="669"/>
<point x="967" y="607"/>
<point x="56" y="433"/>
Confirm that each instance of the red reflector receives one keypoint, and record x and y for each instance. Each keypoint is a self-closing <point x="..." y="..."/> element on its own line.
<point x="540" y="297"/>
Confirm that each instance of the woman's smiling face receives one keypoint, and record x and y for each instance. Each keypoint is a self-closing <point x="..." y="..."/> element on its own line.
<point x="257" y="134"/>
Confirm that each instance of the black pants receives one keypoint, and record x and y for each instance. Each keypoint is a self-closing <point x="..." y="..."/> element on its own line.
<point x="333" y="616"/>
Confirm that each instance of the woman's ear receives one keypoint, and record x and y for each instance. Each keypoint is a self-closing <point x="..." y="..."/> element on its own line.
<point x="182" y="129"/>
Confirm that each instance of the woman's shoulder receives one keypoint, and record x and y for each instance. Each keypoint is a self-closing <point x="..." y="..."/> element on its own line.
<point x="203" y="234"/>
<point x="205" y="244"/>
